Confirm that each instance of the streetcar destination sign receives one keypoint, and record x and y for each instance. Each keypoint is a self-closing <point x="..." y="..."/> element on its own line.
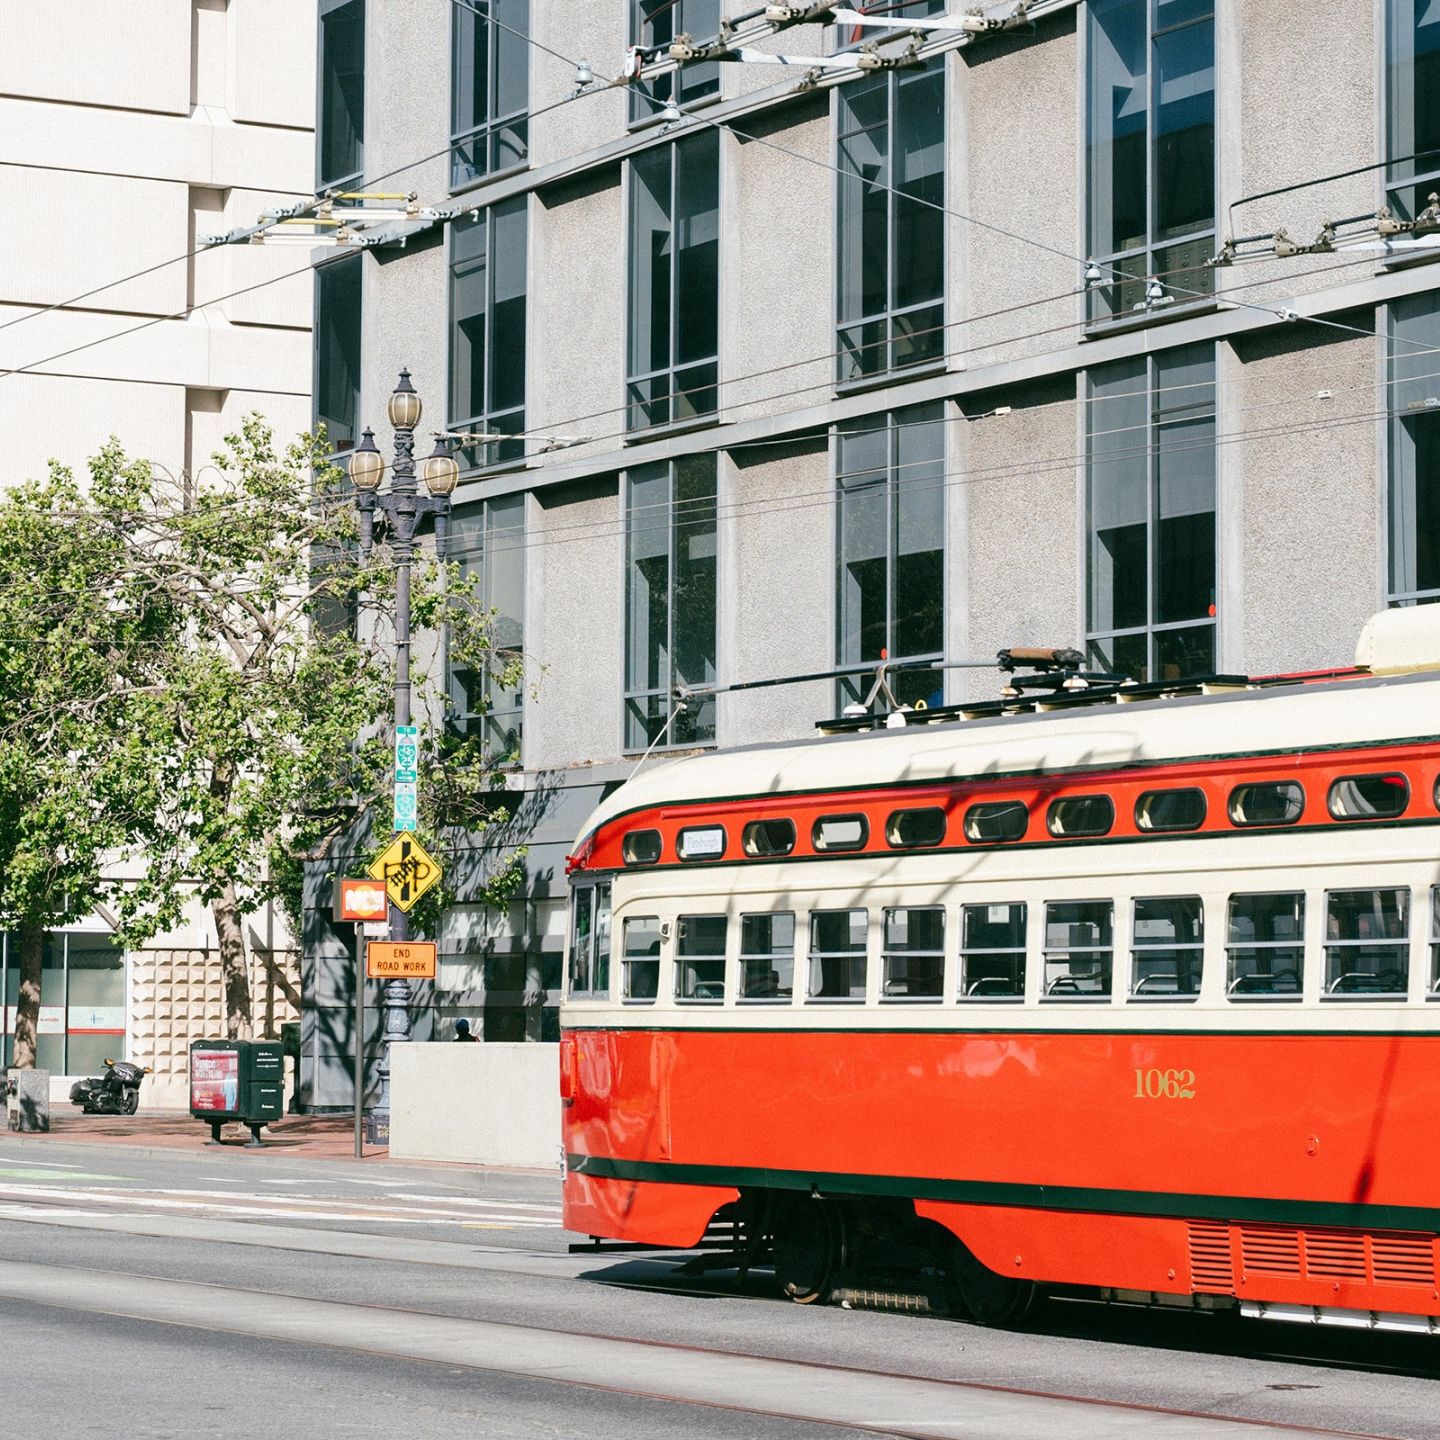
<point x="400" y="960"/>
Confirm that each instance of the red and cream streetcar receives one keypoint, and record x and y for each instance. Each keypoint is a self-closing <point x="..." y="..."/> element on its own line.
<point x="1132" y="988"/>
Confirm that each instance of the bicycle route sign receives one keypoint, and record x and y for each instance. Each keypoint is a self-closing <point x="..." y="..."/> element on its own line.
<point x="406" y="869"/>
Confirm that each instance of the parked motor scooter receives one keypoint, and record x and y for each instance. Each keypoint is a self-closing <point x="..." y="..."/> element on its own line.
<point x="116" y="1092"/>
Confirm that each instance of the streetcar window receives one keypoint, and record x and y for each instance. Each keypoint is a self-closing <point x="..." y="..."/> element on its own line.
<point x="1272" y="802"/>
<point x="840" y="832"/>
<point x="914" y="829"/>
<point x="837" y="954"/>
<point x="590" y="942"/>
<point x="701" y="842"/>
<point x="1369" y="797"/>
<point x="992" y="952"/>
<point x="1434" y="992"/>
<point x="767" y="956"/>
<point x="914" y="954"/>
<point x="1081" y="815"/>
<point x="768" y="837"/>
<point x="1079" y="949"/>
<point x="1164" y="810"/>
<point x="1367" y="943"/>
<point x="1265" y="947"/>
<point x="700" y="958"/>
<point x="994" y="821"/>
<point x="641" y="847"/>
<point x="641" y="960"/>
<point x="1167" y="949"/>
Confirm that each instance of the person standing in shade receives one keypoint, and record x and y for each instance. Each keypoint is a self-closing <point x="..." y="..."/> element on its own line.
<point x="462" y="1030"/>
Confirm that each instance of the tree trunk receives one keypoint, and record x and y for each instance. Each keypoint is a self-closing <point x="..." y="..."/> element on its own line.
<point x="233" y="964"/>
<point x="27" y="1018"/>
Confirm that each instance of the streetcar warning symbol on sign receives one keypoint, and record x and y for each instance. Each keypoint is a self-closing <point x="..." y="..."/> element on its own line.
<point x="407" y="870"/>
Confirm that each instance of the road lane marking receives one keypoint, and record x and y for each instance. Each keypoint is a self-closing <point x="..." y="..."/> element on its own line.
<point x="827" y="1394"/>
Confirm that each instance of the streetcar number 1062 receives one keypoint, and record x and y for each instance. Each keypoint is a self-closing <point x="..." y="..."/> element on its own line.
<point x="1164" y="1084"/>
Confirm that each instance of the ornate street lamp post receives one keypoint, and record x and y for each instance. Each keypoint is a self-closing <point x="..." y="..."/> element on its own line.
<point x="402" y="511"/>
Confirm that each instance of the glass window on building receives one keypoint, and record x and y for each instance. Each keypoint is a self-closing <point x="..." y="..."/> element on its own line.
<point x="1414" y="404"/>
<point x="489" y="89"/>
<point x="337" y="351"/>
<point x="653" y="25"/>
<point x="488" y="285"/>
<point x="340" y="121"/>
<point x="670" y="598"/>
<point x="1151" y="149"/>
<point x="487" y="541"/>
<point x="672" y="365"/>
<point x="890" y="489"/>
<point x="1412" y="110"/>
<point x="82" y="1000"/>
<point x="1150" y="481"/>
<point x="890" y="243"/>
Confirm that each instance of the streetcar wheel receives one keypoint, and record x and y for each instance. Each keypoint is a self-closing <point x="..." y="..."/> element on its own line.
<point x="808" y="1244"/>
<point x="980" y="1294"/>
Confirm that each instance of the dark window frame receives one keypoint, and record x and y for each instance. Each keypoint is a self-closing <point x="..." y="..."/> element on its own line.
<point x="1412" y="530"/>
<point x="481" y="702"/>
<point x="696" y="81"/>
<point x="1389" y="776"/>
<point x="678" y="390"/>
<point x="1053" y="815"/>
<point x="1237" y="818"/>
<point x="494" y="415"/>
<point x="628" y="846"/>
<point x="490" y="131"/>
<point x="591" y="990"/>
<point x="701" y="829"/>
<point x="328" y="278"/>
<point x="902" y="485"/>
<point x="1178" y="259"/>
<point x="896" y="818"/>
<point x="871" y="340"/>
<point x="972" y="994"/>
<point x="346" y="176"/>
<point x="997" y="807"/>
<point x="687" y="979"/>
<point x="749" y="954"/>
<point x="1147" y="824"/>
<point x="1174" y="558"/>
<point x="1408" y="181"/>
<point x="688" y="520"/>
<point x="754" y="826"/>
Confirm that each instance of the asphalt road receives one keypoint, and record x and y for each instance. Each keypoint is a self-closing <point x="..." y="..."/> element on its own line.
<point x="237" y="1294"/>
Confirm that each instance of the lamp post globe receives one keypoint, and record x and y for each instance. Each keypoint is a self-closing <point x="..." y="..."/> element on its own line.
<point x="439" y="470"/>
<point x="367" y="465"/>
<point x="404" y="405"/>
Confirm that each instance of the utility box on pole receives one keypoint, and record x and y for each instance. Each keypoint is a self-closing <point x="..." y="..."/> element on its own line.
<point x="237" y="1080"/>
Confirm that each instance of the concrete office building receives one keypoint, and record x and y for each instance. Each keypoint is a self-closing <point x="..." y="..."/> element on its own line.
<point x="815" y="372"/>
<point x="127" y="128"/>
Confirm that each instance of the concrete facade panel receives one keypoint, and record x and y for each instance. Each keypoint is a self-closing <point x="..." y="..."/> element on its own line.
<point x="777" y="306"/>
<point x="408" y="47"/>
<point x="52" y="222"/>
<point x="598" y="33"/>
<point x="280" y="286"/>
<point x="577" y="317"/>
<point x="779" y="597"/>
<point x="270" y="62"/>
<point x="68" y="419"/>
<point x="405" y="307"/>
<point x="133" y="54"/>
<point x="574" y="628"/>
<point x="1022" y="490"/>
<point x="1016" y="96"/>
<point x="1311" y="519"/>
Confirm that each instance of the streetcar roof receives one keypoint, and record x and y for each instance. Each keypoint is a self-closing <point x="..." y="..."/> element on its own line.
<point x="1365" y="711"/>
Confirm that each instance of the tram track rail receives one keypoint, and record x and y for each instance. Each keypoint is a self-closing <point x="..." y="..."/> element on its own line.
<point x="842" y="1397"/>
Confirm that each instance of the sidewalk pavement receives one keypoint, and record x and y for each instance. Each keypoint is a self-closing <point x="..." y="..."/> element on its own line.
<point x="313" y="1137"/>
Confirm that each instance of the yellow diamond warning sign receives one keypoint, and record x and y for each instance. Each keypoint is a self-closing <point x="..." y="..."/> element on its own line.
<point x="406" y="869"/>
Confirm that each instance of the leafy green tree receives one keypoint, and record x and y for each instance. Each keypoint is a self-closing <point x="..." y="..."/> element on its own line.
<point x="260" y="704"/>
<point x="81" y="695"/>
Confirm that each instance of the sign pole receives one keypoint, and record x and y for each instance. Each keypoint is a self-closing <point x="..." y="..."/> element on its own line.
<point x="360" y="968"/>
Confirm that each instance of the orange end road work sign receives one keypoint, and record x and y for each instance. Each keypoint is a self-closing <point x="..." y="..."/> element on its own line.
<point x="400" y="960"/>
